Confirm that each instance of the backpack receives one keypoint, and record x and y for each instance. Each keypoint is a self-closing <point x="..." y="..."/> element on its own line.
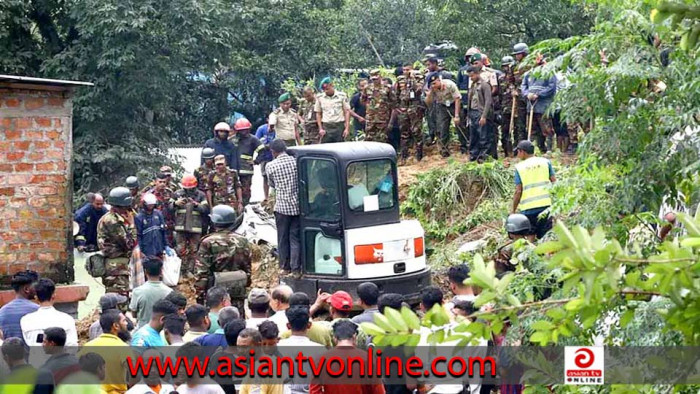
<point x="95" y="265"/>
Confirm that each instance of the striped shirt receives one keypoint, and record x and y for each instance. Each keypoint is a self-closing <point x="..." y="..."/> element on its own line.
<point x="282" y="175"/>
<point x="12" y="313"/>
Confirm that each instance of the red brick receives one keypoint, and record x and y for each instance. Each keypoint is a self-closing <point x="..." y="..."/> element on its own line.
<point x="4" y="167"/>
<point x="7" y="123"/>
<point x="55" y="245"/>
<point x="15" y="156"/>
<point x="42" y="144"/>
<point x="5" y="146"/>
<point x="61" y="165"/>
<point x="54" y="154"/>
<point x="22" y="167"/>
<point x="2" y="203"/>
<point x="38" y="179"/>
<point x="53" y="134"/>
<point x="7" y="191"/>
<point x="18" y="202"/>
<point x="34" y="135"/>
<point x="47" y="190"/>
<point x="48" y="234"/>
<point x="56" y="223"/>
<point x="21" y="145"/>
<point x="36" y="156"/>
<point x="16" y="225"/>
<point x="24" y="123"/>
<point x="12" y="102"/>
<point x="56" y="102"/>
<point x="33" y="103"/>
<point x="59" y="145"/>
<point x="37" y="202"/>
<point x="43" y="122"/>
<point x="43" y="166"/>
<point x="8" y="214"/>
<point x="18" y="179"/>
<point x="25" y="214"/>
<point x="13" y="134"/>
<point x="15" y="268"/>
<point x="55" y="178"/>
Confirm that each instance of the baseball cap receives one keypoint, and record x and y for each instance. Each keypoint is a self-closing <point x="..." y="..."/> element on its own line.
<point x="526" y="146"/>
<point x="258" y="296"/>
<point x="166" y="170"/>
<point x="341" y="300"/>
<point x="433" y="77"/>
<point x="111" y="300"/>
<point x="220" y="159"/>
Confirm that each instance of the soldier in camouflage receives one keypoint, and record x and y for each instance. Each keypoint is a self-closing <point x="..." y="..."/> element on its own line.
<point x="307" y="115"/>
<point x="224" y="251"/>
<point x="164" y="194"/>
<point x="190" y="206"/>
<point x="132" y="183"/>
<point x="224" y="186"/>
<point x="202" y="172"/>
<point x="509" y="92"/>
<point x="116" y="239"/>
<point x="410" y="115"/>
<point x="381" y="103"/>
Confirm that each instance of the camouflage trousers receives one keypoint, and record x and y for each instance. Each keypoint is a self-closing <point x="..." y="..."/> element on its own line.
<point x="542" y="131"/>
<point x="246" y="183"/>
<point x="311" y="134"/>
<point x="116" y="278"/>
<point x="410" y="124"/>
<point x="187" y="245"/>
<point x="376" y="131"/>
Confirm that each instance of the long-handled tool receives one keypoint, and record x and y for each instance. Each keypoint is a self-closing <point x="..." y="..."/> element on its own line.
<point x="512" y="119"/>
<point x="529" y="123"/>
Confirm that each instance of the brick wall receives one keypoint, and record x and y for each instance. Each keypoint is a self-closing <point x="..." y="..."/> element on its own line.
<point x="36" y="181"/>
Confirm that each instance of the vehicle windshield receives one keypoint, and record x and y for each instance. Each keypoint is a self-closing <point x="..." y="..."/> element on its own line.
<point x="371" y="185"/>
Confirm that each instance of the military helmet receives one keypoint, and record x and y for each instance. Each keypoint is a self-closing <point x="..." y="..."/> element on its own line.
<point x="507" y="61"/>
<point x="519" y="224"/>
<point x="520" y="47"/>
<point x="120" y="197"/>
<point x="132" y="182"/>
<point x="208" y="153"/>
<point x="223" y="214"/>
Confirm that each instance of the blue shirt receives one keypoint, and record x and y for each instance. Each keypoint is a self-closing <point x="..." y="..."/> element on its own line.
<point x="146" y="336"/>
<point x="261" y="131"/>
<point x="211" y="342"/>
<point x="87" y="217"/>
<point x="150" y="232"/>
<point x="10" y="315"/>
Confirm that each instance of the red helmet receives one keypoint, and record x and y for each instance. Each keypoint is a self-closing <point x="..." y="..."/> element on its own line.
<point x="188" y="182"/>
<point x="242" y="124"/>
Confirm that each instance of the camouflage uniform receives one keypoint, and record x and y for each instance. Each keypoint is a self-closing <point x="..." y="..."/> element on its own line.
<point x="410" y="115"/>
<point x="222" y="251"/>
<point x="189" y="224"/>
<point x="508" y="83"/>
<point x="223" y="188"/>
<point x="381" y="101"/>
<point x="308" y="113"/>
<point x="164" y="196"/>
<point x="116" y="239"/>
<point x="202" y="174"/>
<point x="136" y="202"/>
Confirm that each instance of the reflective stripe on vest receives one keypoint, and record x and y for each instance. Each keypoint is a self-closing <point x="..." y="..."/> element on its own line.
<point x="246" y="172"/>
<point x="534" y="175"/>
<point x="246" y="157"/>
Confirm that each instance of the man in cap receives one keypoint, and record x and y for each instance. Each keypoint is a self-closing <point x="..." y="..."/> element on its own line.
<point x="480" y="110"/>
<point x="163" y="194"/>
<point x="224" y="186"/>
<point x="224" y="251"/>
<point x="520" y="52"/>
<point x="443" y="96"/>
<point x="381" y="103"/>
<point x="223" y="146"/>
<point x="248" y="147"/>
<point x="307" y="115"/>
<point x="116" y="239"/>
<point x="107" y="302"/>
<point x="285" y="122"/>
<point x="463" y="83"/>
<point x="258" y="303"/>
<point x="150" y="228"/>
<point x="87" y="218"/>
<point x="132" y="183"/>
<point x="202" y="172"/>
<point x="533" y="178"/>
<point x="167" y="170"/>
<point x="539" y="93"/>
<point x="332" y="113"/>
<point x="190" y="207"/>
<point x="511" y="105"/>
<point x="358" y="106"/>
<point x="409" y="112"/>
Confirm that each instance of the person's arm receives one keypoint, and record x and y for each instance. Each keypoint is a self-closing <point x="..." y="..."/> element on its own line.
<point x="346" y="112"/>
<point x="210" y="187"/>
<point x="319" y="122"/>
<point x="163" y="237"/>
<point x="516" y="197"/>
<point x="80" y="218"/>
<point x="488" y="105"/>
<point x="458" y="104"/>
<point x="134" y="304"/>
<point x="429" y="97"/>
<point x="525" y="86"/>
<point x="552" y="178"/>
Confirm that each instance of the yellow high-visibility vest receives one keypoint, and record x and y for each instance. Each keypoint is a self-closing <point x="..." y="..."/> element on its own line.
<point x="534" y="175"/>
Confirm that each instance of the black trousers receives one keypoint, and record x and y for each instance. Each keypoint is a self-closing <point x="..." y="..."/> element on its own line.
<point x="481" y="138"/>
<point x="288" y="236"/>
<point x="541" y="223"/>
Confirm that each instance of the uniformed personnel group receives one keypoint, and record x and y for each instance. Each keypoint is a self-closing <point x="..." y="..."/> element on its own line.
<point x="147" y="226"/>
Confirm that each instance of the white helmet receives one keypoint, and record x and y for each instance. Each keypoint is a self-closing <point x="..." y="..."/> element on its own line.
<point x="471" y="51"/>
<point x="149" y="199"/>
<point x="222" y="126"/>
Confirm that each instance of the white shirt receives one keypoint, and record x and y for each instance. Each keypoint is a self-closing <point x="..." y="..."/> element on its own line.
<point x="142" y="388"/>
<point x="280" y="318"/>
<point x="298" y="340"/>
<point x="33" y="326"/>
<point x="254" y="322"/>
<point x="206" y="386"/>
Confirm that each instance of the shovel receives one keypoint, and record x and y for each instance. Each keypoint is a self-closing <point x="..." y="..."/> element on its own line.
<point x="529" y="123"/>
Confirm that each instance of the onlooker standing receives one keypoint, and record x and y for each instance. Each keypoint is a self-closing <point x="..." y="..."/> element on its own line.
<point x="369" y="294"/>
<point x="285" y="122"/>
<point x="279" y="303"/>
<point x="149" y="334"/>
<point x="217" y="298"/>
<point x="444" y="99"/>
<point x="358" y="106"/>
<point x="218" y="339"/>
<point x="87" y="218"/>
<point x="332" y="113"/>
<point x="107" y="302"/>
<point x="34" y="324"/>
<point x="198" y="320"/>
<point x="282" y="174"/>
<point x="258" y="303"/>
<point x="150" y="228"/>
<point x="60" y="363"/>
<point x="145" y="296"/>
<point x="480" y="117"/>
<point x="12" y="312"/>
<point x="174" y="329"/>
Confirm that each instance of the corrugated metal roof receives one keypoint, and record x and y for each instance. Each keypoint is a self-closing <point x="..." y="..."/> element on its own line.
<point x="45" y="81"/>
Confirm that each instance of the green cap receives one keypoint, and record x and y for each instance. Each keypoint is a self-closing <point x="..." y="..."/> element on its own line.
<point x="325" y="81"/>
<point x="476" y="56"/>
<point x="284" y="97"/>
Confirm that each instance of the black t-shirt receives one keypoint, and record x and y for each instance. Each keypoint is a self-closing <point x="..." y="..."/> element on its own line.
<point x="360" y="108"/>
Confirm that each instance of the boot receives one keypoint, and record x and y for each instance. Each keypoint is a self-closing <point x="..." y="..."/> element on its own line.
<point x="419" y="153"/>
